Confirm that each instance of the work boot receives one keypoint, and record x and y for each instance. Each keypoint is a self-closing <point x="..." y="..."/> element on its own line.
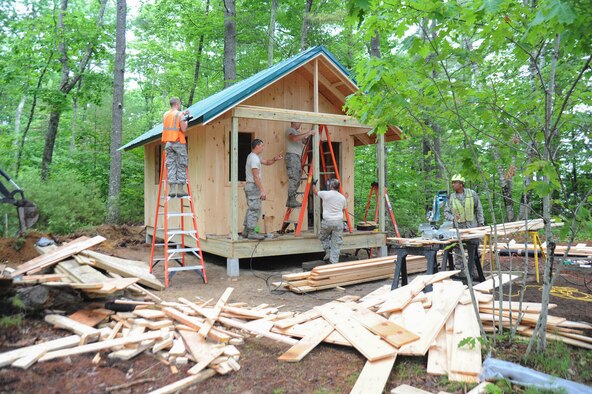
<point x="172" y="190"/>
<point x="327" y="256"/>
<point x="180" y="192"/>
<point x="255" y="236"/>
<point x="293" y="203"/>
<point x="245" y="233"/>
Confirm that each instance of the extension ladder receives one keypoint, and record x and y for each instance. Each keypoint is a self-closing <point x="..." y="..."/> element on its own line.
<point x="328" y="168"/>
<point x="173" y="238"/>
<point x="389" y="208"/>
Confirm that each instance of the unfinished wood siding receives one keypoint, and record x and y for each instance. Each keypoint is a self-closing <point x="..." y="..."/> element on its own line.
<point x="150" y="186"/>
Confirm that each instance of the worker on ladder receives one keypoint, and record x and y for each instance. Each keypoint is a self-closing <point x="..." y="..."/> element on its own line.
<point x="294" y="144"/>
<point x="173" y="135"/>
<point x="331" y="234"/>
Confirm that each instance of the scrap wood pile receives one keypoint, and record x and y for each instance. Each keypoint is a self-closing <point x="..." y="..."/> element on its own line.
<point x="97" y="274"/>
<point x="381" y="325"/>
<point x="343" y="274"/>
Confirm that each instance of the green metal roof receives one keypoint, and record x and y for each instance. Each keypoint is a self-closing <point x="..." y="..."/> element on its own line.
<point x="228" y="98"/>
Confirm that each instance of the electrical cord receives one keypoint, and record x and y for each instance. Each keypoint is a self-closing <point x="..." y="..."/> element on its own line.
<point x="277" y="289"/>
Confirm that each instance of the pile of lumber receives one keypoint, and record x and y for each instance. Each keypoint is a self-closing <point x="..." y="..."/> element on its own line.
<point x="343" y="274"/>
<point x="581" y="250"/>
<point x="97" y="274"/>
<point x="382" y="325"/>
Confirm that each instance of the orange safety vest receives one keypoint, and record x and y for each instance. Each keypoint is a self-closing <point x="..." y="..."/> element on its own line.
<point x="171" y="127"/>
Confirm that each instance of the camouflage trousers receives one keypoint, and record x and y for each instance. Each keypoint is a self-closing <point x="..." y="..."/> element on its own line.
<point x="176" y="162"/>
<point x="294" y="170"/>
<point x="331" y="236"/>
<point x="253" y="206"/>
<point x="471" y="249"/>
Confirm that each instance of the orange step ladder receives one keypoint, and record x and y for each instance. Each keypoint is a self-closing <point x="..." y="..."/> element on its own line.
<point x="173" y="239"/>
<point x="389" y="208"/>
<point x="328" y="168"/>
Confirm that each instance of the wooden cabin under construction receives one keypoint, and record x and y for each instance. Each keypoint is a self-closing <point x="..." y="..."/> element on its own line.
<point x="310" y="88"/>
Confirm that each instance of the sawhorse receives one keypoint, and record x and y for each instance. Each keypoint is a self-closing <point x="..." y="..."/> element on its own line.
<point x="536" y="241"/>
<point x="429" y="251"/>
<point x="472" y="259"/>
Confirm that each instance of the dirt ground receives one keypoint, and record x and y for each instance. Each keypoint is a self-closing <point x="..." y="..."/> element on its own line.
<point x="328" y="369"/>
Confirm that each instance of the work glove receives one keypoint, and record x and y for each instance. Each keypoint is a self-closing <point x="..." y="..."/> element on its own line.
<point x="314" y="182"/>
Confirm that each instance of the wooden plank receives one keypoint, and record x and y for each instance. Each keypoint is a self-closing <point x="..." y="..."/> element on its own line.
<point x="268" y="334"/>
<point x="437" y="356"/>
<point x="374" y="376"/>
<point x="306" y="344"/>
<point x="11" y="356"/>
<point x="203" y="331"/>
<point x="363" y="340"/>
<point x="184" y="383"/>
<point x="149" y="313"/>
<point x="93" y="347"/>
<point x="30" y="359"/>
<point x="300" y="318"/>
<point x="80" y="273"/>
<point x="306" y="328"/>
<point x="33" y="279"/>
<point x="73" y="326"/>
<point x="91" y="317"/>
<point x="58" y="254"/>
<point x="406" y="389"/>
<point x="445" y="299"/>
<point x="414" y="315"/>
<point x="387" y="330"/>
<point x="465" y="360"/>
<point x="400" y="297"/>
<point x="490" y="284"/>
<point x="280" y="114"/>
<point x="125" y="268"/>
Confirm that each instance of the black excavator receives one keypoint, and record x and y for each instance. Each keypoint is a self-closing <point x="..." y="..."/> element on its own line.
<point x="27" y="211"/>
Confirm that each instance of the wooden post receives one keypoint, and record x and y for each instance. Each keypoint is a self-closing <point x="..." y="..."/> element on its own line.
<point x="315" y="150"/>
<point x="234" y="180"/>
<point x="381" y="182"/>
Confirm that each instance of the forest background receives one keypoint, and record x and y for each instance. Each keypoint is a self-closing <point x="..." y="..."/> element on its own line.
<point x="496" y="90"/>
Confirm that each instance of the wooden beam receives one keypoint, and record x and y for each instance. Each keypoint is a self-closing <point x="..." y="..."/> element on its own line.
<point x="234" y="180"/>
<point x="291" y="115"/>
<point x="363" y="138"/>
<point x="381" y="182"/>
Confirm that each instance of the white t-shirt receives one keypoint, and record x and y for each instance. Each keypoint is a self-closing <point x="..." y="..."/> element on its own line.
<point x="333" y="204"/>
<point x="253" y="161"/>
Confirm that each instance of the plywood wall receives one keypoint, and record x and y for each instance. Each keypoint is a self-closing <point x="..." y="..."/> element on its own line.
<point x="208" y="148"/>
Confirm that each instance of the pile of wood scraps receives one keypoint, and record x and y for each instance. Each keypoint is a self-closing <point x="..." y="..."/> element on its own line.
<point x="330" y="276"/>
<point x="97" y="274"/>
<point x="203" y="337"/>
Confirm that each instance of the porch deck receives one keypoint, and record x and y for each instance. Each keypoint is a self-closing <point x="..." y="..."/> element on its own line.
<point x="280" y="244"/>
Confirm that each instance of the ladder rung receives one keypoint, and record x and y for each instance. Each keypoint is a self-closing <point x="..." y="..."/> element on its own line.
<point x="176" y="214"/>
<point x="182" y="232"/>
<point x="183" y="250"/>
<point x="291" y="221"/>
<point x="171" y="244"/>
<point x="328" y="173"/>
<point x="186" y="268"/>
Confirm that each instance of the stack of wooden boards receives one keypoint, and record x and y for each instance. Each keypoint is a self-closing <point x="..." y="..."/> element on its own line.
<point x="343" y="274"/>
<point x="581" y="250"/>
<point x="502" y="229"/>
<point x="94" y="273"/>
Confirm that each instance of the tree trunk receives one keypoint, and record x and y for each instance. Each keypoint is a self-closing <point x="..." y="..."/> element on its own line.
<point x="198" y="60"/>
<point x="31" y="113"/>
<point x="229" y="42"/>
<point x="113" y="214"/>
<point x="17" y="124"/>
<point x="74" y="123"/>
<point x="305" y="21"/>
<point x="271" y="32"/>
<point x="505" y="178"/>
<point x="66" y="84"/>
<point x="374" y="49"/>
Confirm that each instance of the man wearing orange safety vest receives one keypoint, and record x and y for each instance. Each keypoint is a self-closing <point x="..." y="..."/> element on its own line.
<point x="174" y="125"/>
<point x="464" y="209"/>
